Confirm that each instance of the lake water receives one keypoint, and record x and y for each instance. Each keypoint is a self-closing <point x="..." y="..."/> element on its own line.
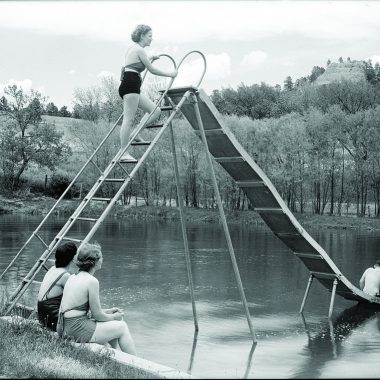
<point x="144" y="272"/>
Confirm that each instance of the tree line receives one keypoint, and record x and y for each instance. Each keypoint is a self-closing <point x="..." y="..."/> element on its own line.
<point x="316" y="141"/>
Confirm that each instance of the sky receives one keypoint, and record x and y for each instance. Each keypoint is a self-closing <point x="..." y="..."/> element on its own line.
<point x="56" y="47"/>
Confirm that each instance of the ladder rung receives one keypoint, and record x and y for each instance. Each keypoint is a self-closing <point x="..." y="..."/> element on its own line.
<point x="229" y="159"/>
<point x="166" y="108"/>
<point x="155" y="126"/>
<point x="273" y="210"/>
<point x="87" y="219"/>
<point x="141" y="143"/>
<point x="211" y="132"/>
<point x="308" y="255"/>
<point x="33" y="281"/>
<point x="72" y="239"/>
<point x="101" y="199"/>
<point x="114" y="180"/>
<point x="129" y="162"/>
<point x="287" y="234"/>
<point x="324" y="275"/>
<point x="47" y="261"/>
<point x="250" y="183"/>
<point x="20" y="305"/>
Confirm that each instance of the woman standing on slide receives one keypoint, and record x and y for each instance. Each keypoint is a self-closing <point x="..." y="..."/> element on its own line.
<point x="136" y="61"/>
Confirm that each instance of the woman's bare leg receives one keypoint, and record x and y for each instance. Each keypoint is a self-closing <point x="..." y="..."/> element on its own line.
<point x="109" y="331"/>
<point x="148" y="106"/>
<point x="130" y="105"/>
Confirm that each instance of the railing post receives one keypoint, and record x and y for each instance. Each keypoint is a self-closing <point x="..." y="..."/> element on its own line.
<point x="306" y="292"/>
<point x="335" y="283"/>
<point x="222" y="216"/>
<point x="183" y="225"/>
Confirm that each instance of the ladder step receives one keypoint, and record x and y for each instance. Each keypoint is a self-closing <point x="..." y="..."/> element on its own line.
<point x="141" y="143"/>
<point x="114" y="180"/>
<point x="155" y="126"/>
<point x="72" y="239"/>
<point x="250" y="183"/>
<point x="331" y="276"/>
<point x="21" y="306"/>
<point x="47" y="261"/>
<point x="211" y="132"/>
<point x="269" y="209"/>
<point x="87" y="219"/>
<point x="166" y="108"/>
<point x="229" y="159"/>
<point x="308" y="255"/>
<point x="101" y="199"/>
<point x="33" y="281"/>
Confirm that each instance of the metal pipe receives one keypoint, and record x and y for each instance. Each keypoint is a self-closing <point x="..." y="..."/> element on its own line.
<point x="204" y="62"/>
<point x="335" y="283"/>
<point x="183" y="226"/>
<point x="306" y="292"/>
<point x="223" y="217"/>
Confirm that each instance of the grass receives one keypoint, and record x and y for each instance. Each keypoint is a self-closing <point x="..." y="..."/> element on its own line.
<point x="28" y="350"/>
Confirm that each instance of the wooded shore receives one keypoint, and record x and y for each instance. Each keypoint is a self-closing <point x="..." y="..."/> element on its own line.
<point x="42" y="205"/>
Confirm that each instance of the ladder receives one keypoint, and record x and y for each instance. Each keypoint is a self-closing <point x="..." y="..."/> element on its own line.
<point x="128" y="175"/>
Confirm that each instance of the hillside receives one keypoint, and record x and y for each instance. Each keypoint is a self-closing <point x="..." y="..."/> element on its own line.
<point x="63" y="124"/>
<point x="336" y="72"/>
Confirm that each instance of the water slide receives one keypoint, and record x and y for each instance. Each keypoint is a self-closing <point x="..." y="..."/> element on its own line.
<point x="264" y="197"/>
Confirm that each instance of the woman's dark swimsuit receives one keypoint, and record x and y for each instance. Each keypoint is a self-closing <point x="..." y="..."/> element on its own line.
<point x="131" y="81"/>
<point x="48" y="309"/>
<point x="80" y="328"/>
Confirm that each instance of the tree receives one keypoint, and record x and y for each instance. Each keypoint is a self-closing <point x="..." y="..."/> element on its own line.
<point x="87" y="103"/>
<point x="26" y="139"/>
<point x="328" y="63"/>
<point x="288" y="83"/>
<point x="340" y="60"/>
<point x="370" y="72"/>
<point x="316" y="72"/>
<point x="51" y="109"/>
<point x="63" y="112"/>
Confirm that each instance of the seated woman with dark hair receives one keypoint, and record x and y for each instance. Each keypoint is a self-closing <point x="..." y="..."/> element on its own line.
<point x="81" y="295"/>
<point x="51" y="290"/>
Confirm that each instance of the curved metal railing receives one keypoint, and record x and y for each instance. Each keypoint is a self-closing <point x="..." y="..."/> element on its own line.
<point x="204" y="62"/>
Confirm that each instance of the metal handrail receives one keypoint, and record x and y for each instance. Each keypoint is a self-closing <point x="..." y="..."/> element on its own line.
<point x="204" y="61"/>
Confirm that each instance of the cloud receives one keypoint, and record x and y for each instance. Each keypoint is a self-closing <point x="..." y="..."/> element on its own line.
<point x="173" y="21"/>
<point x="105" y="74"/>
<point x="254" y="58"/>
<point x="374" y="59"/>
<point x="72" y="72"/>
<point x="25" y="84"/>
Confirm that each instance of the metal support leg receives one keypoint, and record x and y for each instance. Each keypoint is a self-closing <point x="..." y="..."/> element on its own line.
<point x="306" y="292"/>
<point x="223" y="217"/>
<point x="183" y="225"/>
<point x="332" y="297"/>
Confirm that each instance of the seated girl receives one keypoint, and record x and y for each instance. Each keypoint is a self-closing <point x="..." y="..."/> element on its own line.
<point x="50" y="294"/>
<point x="81" y="294"/>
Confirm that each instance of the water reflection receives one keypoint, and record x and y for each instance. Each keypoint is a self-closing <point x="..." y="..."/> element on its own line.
<point x="144" y="273"/>
<point x="328" y="344"/>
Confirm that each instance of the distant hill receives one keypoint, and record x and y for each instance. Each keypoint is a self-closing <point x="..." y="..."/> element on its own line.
<point x="336" y="72"/>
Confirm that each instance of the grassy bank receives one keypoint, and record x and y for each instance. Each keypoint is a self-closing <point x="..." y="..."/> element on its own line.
<point x="42" y="205"/>
<point x="28" y="351"/>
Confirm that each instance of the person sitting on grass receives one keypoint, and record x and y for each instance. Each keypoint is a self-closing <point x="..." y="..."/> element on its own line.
<point x="370" y="281"/>
<point x="51" y="290"/>
<point x="81" y="294"/>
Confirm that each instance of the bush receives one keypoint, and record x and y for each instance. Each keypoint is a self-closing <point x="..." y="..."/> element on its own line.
<point x="58" y="184"/>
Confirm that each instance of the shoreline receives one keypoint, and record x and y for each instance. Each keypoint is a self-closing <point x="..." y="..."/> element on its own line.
<point x="41" y="206"/>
